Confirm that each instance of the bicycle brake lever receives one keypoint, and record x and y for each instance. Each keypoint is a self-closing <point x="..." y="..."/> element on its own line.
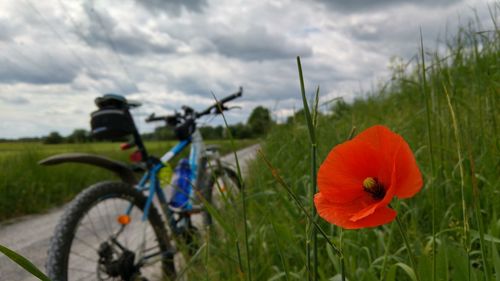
<point x="219" y="109"/>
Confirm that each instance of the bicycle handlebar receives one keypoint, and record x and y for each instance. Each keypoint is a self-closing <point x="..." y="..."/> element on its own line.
<point x="233" y="96"/>
<point x="152" y="118"/>
<point x="219" y="105"/>
<point x="173" y="120"/>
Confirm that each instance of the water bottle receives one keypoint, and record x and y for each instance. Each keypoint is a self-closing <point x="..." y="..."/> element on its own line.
<point x="181" y="185"/>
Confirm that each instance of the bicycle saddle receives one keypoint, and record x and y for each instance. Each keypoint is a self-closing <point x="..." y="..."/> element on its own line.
<point x="114" y="100"/>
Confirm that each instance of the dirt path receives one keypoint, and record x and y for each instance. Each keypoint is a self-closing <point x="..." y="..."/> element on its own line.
<point x="30" y="235"/>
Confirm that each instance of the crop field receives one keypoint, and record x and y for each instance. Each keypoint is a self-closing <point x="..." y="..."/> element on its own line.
<point x="26" y="187"/>
<point x="447" y="108"/>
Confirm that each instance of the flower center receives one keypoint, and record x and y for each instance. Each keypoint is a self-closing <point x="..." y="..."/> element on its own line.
<point x="375" y="188"/>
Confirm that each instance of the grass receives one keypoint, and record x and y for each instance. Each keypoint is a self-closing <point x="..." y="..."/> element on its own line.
<point x="446" y="107"/>
<point x="26" y="187"/>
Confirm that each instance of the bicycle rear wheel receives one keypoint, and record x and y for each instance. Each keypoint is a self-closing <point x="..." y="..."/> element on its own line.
<point x="222" y="190"/>
<point x="101" y="236"/>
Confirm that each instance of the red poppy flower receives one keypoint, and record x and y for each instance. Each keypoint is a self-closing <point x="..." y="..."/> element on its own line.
<point x="360" y="177"/>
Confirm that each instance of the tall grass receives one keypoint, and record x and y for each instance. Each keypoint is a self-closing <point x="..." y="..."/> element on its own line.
<point x="446" y="107"/>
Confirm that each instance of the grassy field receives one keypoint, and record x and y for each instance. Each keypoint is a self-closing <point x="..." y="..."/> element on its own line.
<point x="26" y="187"/>
<point x="449" y="117"/>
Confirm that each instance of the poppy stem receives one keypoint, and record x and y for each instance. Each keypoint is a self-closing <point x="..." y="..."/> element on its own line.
<point x="387" y="248"/>
<point x="342" y="259"/>
<point x="408" y="248"/>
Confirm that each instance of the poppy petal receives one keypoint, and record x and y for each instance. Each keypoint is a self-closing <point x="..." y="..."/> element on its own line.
<point x="341" y="175"/>
<point x="381" y="216"/>
<point x="408" y="179"/>
<point x="387" y="144"/>
<point x="367" y="211"/>
<point x="340" y="214"/>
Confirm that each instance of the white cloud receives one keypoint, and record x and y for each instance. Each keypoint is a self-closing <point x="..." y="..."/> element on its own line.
<point x="57" y="56"/>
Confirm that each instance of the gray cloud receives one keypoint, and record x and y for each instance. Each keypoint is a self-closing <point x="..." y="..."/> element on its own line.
<point x="257" y="43"/>
<point x="15" y="100"/>
<point x="353" y="6"/>
<point x="7" y="30"/>
<point x="44" y="72"/>
<point x="173" y="7"/>
<point x="104" y="31"/>
<point x="197" y="86"/>
<point x="391" y="33"/>
<point x="105" y="84"/>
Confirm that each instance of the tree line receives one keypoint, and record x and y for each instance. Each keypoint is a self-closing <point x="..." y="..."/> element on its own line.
<point x="258" y="124"/>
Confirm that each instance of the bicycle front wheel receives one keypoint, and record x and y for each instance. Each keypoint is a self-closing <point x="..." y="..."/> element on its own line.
<point x="101" y="236"/>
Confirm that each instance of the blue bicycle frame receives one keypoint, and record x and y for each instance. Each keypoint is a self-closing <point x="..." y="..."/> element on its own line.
<point x="149" y="180"/>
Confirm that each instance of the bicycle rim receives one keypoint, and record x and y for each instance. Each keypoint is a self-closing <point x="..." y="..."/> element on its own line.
<point x="225" y="190"/>
<point x="100" y="228"/>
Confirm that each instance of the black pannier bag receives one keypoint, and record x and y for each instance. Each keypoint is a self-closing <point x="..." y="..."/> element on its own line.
<point x="112" y="120"/>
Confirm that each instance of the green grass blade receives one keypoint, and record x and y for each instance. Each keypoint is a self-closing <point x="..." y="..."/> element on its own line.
<point x="242" y="193"/>
<point x="408" y="248"/>
<point x="315" y="112"/>
<point x="281" y="182"/>
<point x="383" y="275"/>
<point x="196" y="256"/>
<point x="311" y="121"/>
<point x="280" y="253"/>
<point x="431" y="152"/>
<point x="456" y="134"/>
<point x="307" y="112"/>
<point x="477" y="211"/>
<point x="24" y="263"/>
<point x="217" y="216"/>
<point x="496" y="261"/>
<point x="408" y="270"/>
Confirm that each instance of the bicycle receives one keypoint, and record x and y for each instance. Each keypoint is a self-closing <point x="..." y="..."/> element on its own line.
<point x="112" y="230"/>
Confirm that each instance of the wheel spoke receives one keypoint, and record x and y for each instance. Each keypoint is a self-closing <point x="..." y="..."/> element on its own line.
<point x="86" y="244"/>
<point x="84" y="257"/>
<point x="80" y="270"/>
<point x="106" y="225"/>
<point x="92" y="228"/>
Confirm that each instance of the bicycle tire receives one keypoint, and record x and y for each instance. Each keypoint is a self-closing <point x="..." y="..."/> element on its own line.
<point x="86" y="202"/>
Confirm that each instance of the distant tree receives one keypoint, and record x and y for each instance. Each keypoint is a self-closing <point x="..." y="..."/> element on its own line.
<point x="78" y="136"/>
<point x="297" y="117"/>
<point x="212" y="133"/>
<point x="240" y="131"/>
<point x="26" y="139"/>
<point x="163" y="133"/>
<point x="53" y="138"/>
<point x="260" y="121"/>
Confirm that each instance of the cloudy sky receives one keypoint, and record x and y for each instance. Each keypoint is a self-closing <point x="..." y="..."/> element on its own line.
<point x="56" y="56"/>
